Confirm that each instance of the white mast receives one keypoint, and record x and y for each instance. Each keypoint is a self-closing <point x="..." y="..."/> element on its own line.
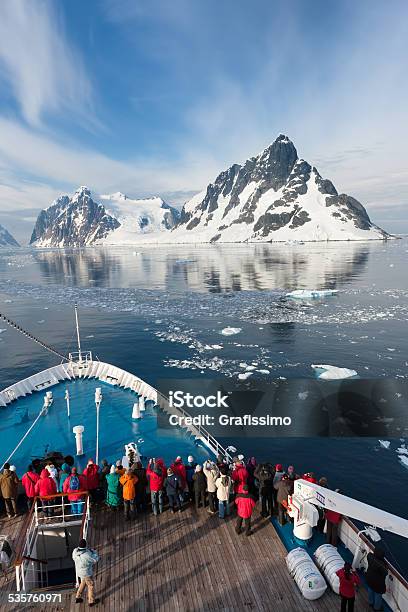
<point x="78" y="336"/>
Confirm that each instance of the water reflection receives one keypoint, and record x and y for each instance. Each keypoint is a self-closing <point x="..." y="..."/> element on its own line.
<point x="210" y="268"/>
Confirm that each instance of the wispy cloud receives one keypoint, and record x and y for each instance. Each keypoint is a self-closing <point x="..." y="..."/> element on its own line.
<point x="44" y="72"/>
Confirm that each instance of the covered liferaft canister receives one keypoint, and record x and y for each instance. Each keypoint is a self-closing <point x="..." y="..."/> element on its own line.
<point x="302" y="568"/>
<point x="330" y="561"/>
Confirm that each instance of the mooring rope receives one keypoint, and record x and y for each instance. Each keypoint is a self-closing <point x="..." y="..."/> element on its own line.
<point x="23" y="438"/>
<point x="31" y="337"/>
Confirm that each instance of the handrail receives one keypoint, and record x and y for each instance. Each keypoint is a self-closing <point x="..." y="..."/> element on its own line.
<point x="28" y="558"/>
<point x="62" y="494"/>
<point x="392" y="570"/>
<point x="21" y="539"/>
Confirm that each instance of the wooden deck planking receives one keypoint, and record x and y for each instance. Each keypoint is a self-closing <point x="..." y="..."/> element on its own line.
<point x="188" y="562"/>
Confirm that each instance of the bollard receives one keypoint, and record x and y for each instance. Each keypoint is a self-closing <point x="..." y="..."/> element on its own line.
<point x="142" y="403"/>
<point x="78" y="431"/>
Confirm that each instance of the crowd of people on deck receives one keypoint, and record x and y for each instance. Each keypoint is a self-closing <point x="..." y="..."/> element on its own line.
<point x="216" y="485"/>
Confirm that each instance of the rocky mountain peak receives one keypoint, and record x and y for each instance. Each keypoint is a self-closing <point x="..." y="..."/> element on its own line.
<point x="274" y="196"/>
<point x="6" y="239"/>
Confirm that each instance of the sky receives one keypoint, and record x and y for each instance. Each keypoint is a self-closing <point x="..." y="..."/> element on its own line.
<point x="152" y="97"/>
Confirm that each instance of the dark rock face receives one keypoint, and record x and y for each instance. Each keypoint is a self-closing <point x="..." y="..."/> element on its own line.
<point x="73" y="222"/>
<point x="6" y="239"/>
<point x="244" y="196"/>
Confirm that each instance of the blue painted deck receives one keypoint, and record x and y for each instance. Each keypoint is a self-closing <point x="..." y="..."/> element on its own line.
<point x="54" y="430"/>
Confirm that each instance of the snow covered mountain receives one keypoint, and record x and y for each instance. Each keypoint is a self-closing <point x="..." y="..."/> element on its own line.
<point x="273" y="197"/>
<point x="72" y="222"/>
<point x="6" y="239"/>
<point x="138" y="217"/>
<point x="80" y="221"/>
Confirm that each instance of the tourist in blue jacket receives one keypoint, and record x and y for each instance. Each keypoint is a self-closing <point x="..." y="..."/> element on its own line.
<point x="172" y="485"/>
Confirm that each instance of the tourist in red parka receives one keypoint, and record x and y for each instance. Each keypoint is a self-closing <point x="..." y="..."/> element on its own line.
<point x="156" y="473"/>
<point x="245" y="506"/>
<point x="75" y="482"/>
<point x="92" y="479"/>
<point x="348" y="582"/>
<point x="239" y="476"/>
<point x="29" y="481"/>
<point x="46" y="486"/>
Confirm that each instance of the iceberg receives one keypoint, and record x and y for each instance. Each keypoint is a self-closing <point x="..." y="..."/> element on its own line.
<point x="230" y="331"/>
<point x="305" y="294"/>
<point x="329" y="372"/>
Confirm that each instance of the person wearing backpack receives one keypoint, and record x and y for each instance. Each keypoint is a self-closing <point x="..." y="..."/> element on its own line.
<point x="74" y="483"/>
<point x="29" y="481"/>
<point x="85" y="559"/>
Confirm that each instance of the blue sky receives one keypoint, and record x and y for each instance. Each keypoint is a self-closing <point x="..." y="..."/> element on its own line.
<point x="157" y="97"/>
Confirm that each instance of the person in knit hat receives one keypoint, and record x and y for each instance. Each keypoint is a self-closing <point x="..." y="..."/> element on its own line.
<point x="9" y="489"/>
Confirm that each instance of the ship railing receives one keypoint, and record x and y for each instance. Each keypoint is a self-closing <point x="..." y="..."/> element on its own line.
<point x="31" y="572"/>
<point x="198" y="430"/>
<point x="397" y="586"/>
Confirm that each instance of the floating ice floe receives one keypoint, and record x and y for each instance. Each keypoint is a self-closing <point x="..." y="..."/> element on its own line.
<point x="303" y="395"/>
<point x="230" y="331"/>
<point x="244" y="375"/>
<point x="311" y="293"/>
<point x="402" y="450"/>
<point x="404" y="460"/>
<point x="264" y="371"/>
<point x="385" y="443"/>
<point x="329" y="372"/>
<point x="231" y="449"/>
<point x="2" y="331"/>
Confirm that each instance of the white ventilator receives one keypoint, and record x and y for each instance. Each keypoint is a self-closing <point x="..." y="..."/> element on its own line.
<point x="329" y="562"/>
<point x="136" y="410"/>
<point x="67" y="400"/>
<point x="47" y="403"/>
<point x="310" y="581"/>
<point x="78" y="430"/>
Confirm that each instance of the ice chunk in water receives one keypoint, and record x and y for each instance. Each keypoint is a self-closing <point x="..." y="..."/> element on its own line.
<point x="385" y="443"/>
<point x="230" y="331"/>
<point x="244" y="375"/>
<point x="311" y="293"/>
<point x="404" y="460"/>
<point x="329" y="372"/>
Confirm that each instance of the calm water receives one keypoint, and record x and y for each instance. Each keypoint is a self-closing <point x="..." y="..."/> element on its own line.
<point x="160" y="313"/>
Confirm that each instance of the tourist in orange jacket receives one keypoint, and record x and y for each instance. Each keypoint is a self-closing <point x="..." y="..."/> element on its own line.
<point x="128" y="482"/>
